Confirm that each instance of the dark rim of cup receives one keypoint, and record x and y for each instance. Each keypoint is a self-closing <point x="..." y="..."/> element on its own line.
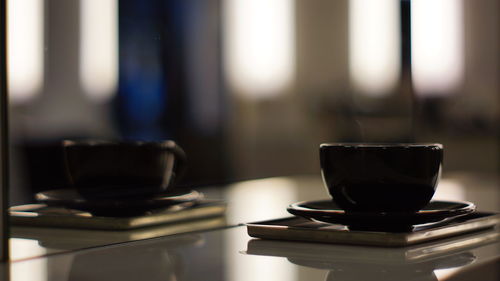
<point x="161" y="144"/>
<point x="165" y="145"/>
<point x="378" y="145"/>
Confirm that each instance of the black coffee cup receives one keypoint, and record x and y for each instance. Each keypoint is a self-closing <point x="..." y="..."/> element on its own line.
<point x="381" y="177"/>
<point x="122" y="170"/>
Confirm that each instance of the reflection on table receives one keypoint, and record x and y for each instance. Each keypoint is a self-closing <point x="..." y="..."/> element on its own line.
<point x="221" y="255"/>
<point x="230" y="254"/>
<point x="379" y="263"/>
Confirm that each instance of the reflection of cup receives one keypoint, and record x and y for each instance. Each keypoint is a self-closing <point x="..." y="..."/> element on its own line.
<point x="381" y="177"/>
<point x="423" y="271"/>
<point x="112" y="170"/>
<point x="162" y="260"/>
<point x="389" y="272"/>
<point x="346" y="262"/>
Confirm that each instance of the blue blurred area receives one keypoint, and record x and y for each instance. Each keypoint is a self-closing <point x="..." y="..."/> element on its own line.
<point x="150" y="44"/>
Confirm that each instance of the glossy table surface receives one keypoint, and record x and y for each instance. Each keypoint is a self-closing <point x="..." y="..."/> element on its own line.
<point x="220" y="249"/>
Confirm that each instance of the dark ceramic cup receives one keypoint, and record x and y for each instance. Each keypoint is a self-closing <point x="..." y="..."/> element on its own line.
<point x="122" y="170"/>
<point x="381" y="177"/>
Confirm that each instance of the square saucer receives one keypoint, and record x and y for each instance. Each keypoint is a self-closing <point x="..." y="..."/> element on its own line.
<point x="41" y="215"/>
<point x="302" y="229"/>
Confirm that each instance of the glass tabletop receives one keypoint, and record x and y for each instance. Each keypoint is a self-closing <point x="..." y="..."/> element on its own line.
<point x="230" y="254"/>
<point x="247" y="201"/>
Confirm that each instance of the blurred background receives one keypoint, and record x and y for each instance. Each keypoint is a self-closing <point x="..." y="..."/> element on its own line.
<point x="250" y="88"/>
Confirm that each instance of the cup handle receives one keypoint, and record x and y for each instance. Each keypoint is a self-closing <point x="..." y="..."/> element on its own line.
<point x="181" y="159"/>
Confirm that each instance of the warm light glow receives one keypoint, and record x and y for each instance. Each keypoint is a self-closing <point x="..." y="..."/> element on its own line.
<point x="34" y="270"/>
<point x="374" y="46"/>
<point x="259" y="46"/>
<point x="267" y="198"/>
<point x="445" y="273"/>
<point x="449" y="189"/>
<point x="99" y="48"/>
<point x="25" y="48"/>
<point x="437" y="46"/>
<point x="253" y="201"/>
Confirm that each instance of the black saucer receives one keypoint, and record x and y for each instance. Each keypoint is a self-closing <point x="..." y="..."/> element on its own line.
<point x="327" y="211"/>
<point x="70" y="198"/>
